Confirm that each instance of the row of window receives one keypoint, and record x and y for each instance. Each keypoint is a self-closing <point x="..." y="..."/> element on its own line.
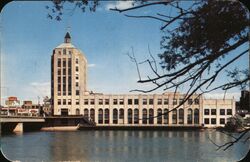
<point x="147" y="116"/>
<point x="213" y="112"/>
<point x="135" y="101"/>
<point x="213" y="121"/>
<point x="63" y="61"/>
<point x="64" y="71"/>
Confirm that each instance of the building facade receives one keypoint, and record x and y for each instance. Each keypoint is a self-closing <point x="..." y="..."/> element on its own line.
<point x="70" y="97"/>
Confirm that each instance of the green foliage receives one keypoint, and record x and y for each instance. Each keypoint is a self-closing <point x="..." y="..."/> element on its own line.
<point x="205" y="30"/>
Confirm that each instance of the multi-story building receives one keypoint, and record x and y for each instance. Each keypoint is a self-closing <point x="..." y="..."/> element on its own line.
<point x="70" y="97"/>
<point x="68" y="77"/>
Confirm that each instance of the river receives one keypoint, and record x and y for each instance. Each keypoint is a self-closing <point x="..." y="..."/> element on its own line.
<point x="172" y="146"/>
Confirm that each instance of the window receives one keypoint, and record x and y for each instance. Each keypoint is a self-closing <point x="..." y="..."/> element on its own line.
<point x="222" y="111"/>
<point x="59" y="62"/>
<point x="121" y="102"/>
<point x="115" y="101"/>
<point x="144" y="101"/>
<point x="77" y="102"/>
<point x="106" y="101"/>
<point x="190" y="101"/>
<point x="206" y="111"/>
<point x="136" y="101"/>
<point x="64" y="62"/>
<point x="165" y="101"/>
<point x="77" y="68"/>
<point x="69" y="71"/>
<point x="77" y="92"/>
<point x="229" y="111"/>
<point x="159" y="101"/>
<point x="174" y="116"/>
<point x="76" y="60"/>
<point x="69" y="62"/>
<point x="129" y="101"/>
<point x="136" y="116"/>
<point x="69" y="93"/>
<point x="69" y="52"/>
<point x="59" y="101"/>
<point x="206" y="120"/>
<point x="196" y="101"/>
<point x="69" y="101"/>
<point x="64" y="101"/>
<point x="159" y="114"/>
<point x="59" y="52"/>
<point x="64" y="80"/>
<point x="180" y="100"/>
<point x="64" y="71"/>
<point x="100" y="101"/>
<point x="59" y="79"/>
<point x="222" y="121"/>
<point x="77" y="76"/>
<point x="64" y="51"/>
<point x="151" y="101"/>
<point x="213" y="121"/>
<point x="77" y="84"/>
<point x="144" y="116"/>
<point x="174" y="101"/>
<point x="92" y="101"/>
<point x="115" y="116"/>
<point x="213" y="111"/>
<point x="59" y="72"/>
<point x="130" y="115"/>
<point x="86" y="101"/>
<point x="151" y="116"/>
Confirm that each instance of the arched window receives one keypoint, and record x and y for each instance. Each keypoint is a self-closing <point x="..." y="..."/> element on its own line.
<point x="165" y="116"/>
<point x="174" y="116"/>
<point x="106" y="116"/>
<point x="196" y="116"/>
<point x="151" y="116"/>
<point x="92" y="114"/>
<point x="100" y="116"/>
<point x="136" y="116"/>
<point x="86" y="113"/>
<point x="144" y="116"/>
<point x="181" y="116"/>
<point x="159" y="118"/>
<point x="190" y="116"/>
<point x="77" y="111"/>
<point x="115" y="116"/>
<point x="130" y="115"/>
<point x="121" y="114"/>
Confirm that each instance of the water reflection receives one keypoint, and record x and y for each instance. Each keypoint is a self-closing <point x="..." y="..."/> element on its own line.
<point x="121" y="146"/>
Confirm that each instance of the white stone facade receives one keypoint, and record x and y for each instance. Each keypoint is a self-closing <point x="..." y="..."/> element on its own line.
<point x="70" y="97"/>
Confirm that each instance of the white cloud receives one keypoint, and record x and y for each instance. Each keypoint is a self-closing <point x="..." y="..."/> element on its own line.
<point x="119" y="5"/>
<point x="91" y="65"/>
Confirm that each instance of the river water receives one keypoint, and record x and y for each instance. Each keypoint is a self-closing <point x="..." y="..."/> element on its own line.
<point x="172" y="146"/>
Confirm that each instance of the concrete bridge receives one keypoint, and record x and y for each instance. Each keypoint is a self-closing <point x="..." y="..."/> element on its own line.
<point x="20" y="123"/>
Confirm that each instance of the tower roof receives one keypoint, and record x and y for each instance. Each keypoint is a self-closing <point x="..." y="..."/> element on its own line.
<point x="67" y="35"/>
<point x="67" y="38"/>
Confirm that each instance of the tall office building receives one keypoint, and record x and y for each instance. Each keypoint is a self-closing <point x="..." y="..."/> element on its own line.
<point x="68" y="77"/>
<point x="70" y="97"/>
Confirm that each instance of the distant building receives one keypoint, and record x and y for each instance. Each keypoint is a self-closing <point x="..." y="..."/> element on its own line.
<point x="70" y="97"/>
<point x="47" y="106"/>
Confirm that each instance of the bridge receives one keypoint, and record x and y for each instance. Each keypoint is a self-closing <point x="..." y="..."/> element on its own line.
<point x="20" y="123"/>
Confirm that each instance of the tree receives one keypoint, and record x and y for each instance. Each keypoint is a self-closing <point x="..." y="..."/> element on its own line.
<point x="201" y="41"/>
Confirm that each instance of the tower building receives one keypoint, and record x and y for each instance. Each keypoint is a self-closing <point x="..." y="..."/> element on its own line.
<point x="69" y="96"/>
<point x="68" y="77"/>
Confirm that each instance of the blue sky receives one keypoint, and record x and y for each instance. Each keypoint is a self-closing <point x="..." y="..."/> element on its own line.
<point x="28" y="38"/>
